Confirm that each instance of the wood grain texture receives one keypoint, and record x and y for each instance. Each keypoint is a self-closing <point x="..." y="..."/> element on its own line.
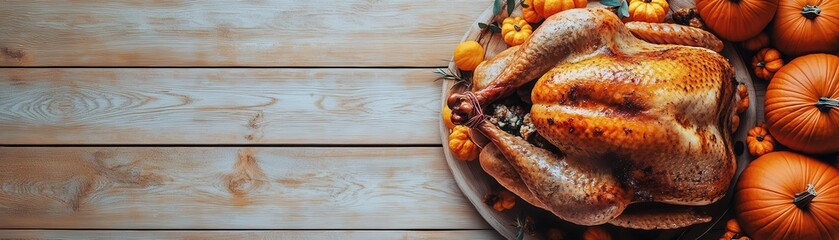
<point x="230" y="188"/>
<point x="219" y="106"/>
<point x="225" y="235"/>
<point x="232" y="33"/>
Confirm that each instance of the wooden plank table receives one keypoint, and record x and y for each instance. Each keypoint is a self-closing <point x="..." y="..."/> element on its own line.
<point x="228" y="119"/>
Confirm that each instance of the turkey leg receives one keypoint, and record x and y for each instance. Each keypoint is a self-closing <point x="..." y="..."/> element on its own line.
<point x="572" y="190"/>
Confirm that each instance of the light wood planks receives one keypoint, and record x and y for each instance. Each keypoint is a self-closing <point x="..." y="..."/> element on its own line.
<point x="230" y="188"/>
<point x="225" y="235"/>
<point x="219" y="106"/>
<point x="232" y="33"/>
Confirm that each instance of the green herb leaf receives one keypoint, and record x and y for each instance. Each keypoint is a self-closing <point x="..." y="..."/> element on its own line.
<point x="519" y="226"/>
<point x="445" y="74"/>
<point x="495" y="28"/>
<point x="612" y="3"/>
<point x="482" y="25"/>
<point x="511" y="4"/>
<point x="496" y="8"/>
<point x="623" y="10"/>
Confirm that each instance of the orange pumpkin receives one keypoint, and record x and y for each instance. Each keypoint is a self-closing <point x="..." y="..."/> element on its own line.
<point x="766" y="63"/>
<point x="529" y="13"/>
<point x="786" y="195"/>
<point x="732" y="231"/>
<point x="743" y="93"/>
<point x="447" y="117"/>
<point x="547" y="8"/>
<point x="806" y="26"/>
<point x="648" y="10"/>
<point x="802" y="104"/>
<point x="756" y="43"/>
<point x="736" y="20"/>
<point x="515" y="31"/>
<point x="759" y="141"/>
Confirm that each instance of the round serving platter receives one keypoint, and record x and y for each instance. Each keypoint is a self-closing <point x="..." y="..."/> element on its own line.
<point x="475" y="183"/>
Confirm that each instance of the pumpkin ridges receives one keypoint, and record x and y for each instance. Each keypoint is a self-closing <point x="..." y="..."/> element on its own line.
<point x="795" y="35"/>
<point x="820" y="212"/>
<point x="797" y="87"/>
<point x="736" y="21"/>
<point x="766" y="217"/>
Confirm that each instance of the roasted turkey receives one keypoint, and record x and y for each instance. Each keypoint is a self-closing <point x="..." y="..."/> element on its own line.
<point x="635" y="122"/>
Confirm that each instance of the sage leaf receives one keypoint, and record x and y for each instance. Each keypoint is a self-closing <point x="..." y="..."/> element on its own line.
<point x="511" y="4"/>
<point x="496" y="8"/>
<point x="612" y="3"/>
<point x="494" y="28"/>
<point x="623" y="10"/>
<point x="482" y="25"/>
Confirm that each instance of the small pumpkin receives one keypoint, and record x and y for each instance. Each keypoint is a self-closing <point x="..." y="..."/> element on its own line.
<point x="547" y="8"/>
<point x="648" y="10"/>
<point x="501" y="200"/>
<point x="743" y="93"/>
<point x="462" y="147"/>
<point x="468" y="54"/>
<point x="447" y="117"/>
<point x="515" y="31"/>
<point x="802" y="104"/>
<point x="735" y="122"/>
<point x="596" y="233"/>
<point x="806" y="26"/>
<point x="786" y="195"/>
<point x="766" y="62"/>
<point x="736" y="20"/>
<point x="756" y="43"/>
<point x="733" y="232"/>
<point x="529" y="13"/>
<point x="759" y="141"/>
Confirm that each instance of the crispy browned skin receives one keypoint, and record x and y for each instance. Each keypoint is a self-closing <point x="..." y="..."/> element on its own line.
<point x="494" y="163"/>
<point x="488" y="70"/>
<point x="653" y="117"/>
<point x="635" y="216"/>
<point x="668" y="33"/>
<point x="578" y="192"/>
<point x="659" y="217"/>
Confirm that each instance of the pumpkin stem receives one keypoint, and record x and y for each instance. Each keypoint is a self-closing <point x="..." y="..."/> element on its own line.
<point x="516" y="26"/>
<point x="648" y="1"/>
<point x="825" y="104"/>
<point x="759" y="138"/>
<point x="811" y="11"/>
<point x="803" y="199"/>
<point x="761" y="64"/>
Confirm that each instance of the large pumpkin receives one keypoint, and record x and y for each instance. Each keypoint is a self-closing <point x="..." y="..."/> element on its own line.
<point x="785" y="195"/>
<point x="736" y="20"/>
<point x="806" y="26"/>
<point x="802" y="104"/>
